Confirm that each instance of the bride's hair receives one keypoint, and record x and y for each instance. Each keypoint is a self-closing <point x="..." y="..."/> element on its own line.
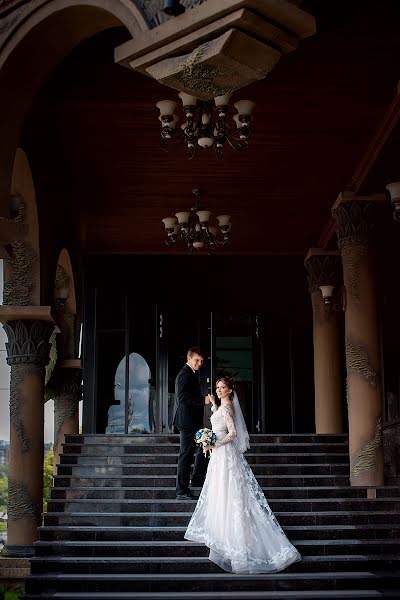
<point x="228" y="381"/>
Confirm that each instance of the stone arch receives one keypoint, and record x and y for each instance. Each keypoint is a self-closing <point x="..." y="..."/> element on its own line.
<point x="55" y="28"/>
<point x="22" y="270"/>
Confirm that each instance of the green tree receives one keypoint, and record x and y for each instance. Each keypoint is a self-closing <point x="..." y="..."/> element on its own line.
<point x="48" y="469"/>
<point x="3" y="493"/>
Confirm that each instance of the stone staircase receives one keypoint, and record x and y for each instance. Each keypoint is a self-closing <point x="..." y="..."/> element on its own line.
<point x="114" y="528"/>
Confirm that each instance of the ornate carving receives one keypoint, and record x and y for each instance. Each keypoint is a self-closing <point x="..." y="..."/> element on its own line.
<point x="18" y="374"/>
<point x="52" y="358"/>
<point x="21" y="504"/>
<point x="28" y="341"/>
<point x="17" y="291"/>
<point x="357" y="361"/>
<point x="355" y="220"/>
<point x="365" y="459"/>
<point x="353" y="253"/>
<point x="323" y="269"/>
<point x="66" y="390"/>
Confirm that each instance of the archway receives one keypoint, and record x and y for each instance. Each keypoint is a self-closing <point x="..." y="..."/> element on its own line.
<point x="39" y="42"/>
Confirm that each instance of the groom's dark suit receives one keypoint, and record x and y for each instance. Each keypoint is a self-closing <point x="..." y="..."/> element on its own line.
<point x="189" y="411"/>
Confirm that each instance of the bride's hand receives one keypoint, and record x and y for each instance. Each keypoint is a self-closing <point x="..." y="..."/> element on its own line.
<point x="207" y="449"/>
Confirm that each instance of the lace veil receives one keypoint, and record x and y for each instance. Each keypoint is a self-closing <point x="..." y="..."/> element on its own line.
<point x="242" y="440"/>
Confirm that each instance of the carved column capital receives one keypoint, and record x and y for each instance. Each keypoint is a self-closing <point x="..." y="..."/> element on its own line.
<point x="323" y="268"/>
<point x="28" y="341"/>
<point x="356" y="218"/>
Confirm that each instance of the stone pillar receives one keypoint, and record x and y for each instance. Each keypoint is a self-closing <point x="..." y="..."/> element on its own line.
<point x="324" y="268"/>
<point x="68" y="377"/>
<point x="356" y="219"/>
<point x="27" y="353"/>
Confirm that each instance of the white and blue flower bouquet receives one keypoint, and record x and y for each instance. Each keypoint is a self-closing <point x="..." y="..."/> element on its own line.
<point x="205" y="437"/>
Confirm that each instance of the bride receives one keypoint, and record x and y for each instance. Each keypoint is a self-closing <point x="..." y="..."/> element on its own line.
<point x="232" y="516"/>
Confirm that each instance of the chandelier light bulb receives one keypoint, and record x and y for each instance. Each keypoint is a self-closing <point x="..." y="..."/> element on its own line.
<point x="193" y="228"/>
<point x="205" y="142"/>
<point x="205" y="124"/>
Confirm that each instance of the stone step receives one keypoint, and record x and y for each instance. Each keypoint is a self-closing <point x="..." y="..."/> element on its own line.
<point x="78" y="563"/>
<point x="150" y="481"/>
<point x="148" y="447"/>
<point x="199" y="582"/>
<point x="255" y="438"/>
<point x="168" y="548"/>
<point x="127" y="534"/>
<point x="168" y="522"/>
<point x="162" y="470"/>
<point x="74" y="458"/>
<point x="168" y="493"/>
<point x="215" y="595"/>
<point x="113" y="505"/>
<point x="294" y="532"/>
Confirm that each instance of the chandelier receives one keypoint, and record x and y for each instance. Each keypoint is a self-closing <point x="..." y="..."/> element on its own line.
<point x="194" y="230"/>
<point x="205" y="123"/>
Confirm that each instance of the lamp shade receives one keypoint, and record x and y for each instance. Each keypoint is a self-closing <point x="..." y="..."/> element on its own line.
<point x="394" y="190"/>
<point x="169" y="222"/>
<point x="187" y="99"/>
<point x="203" y="215"/>
<point x="166" y="107"/>
<point x="244" y="107"/>
<point x="183" y="217"/>
<point x="198" y="245"/>
<point x="222" y="100"/>
<point x="326" y="291"/>
<point x="223" y="220"/>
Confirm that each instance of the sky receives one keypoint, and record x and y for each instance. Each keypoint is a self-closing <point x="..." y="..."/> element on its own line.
<point x="5" y="389"/>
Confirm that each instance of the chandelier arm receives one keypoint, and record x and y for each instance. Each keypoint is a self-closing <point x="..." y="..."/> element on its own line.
<point x="237" y="144"/>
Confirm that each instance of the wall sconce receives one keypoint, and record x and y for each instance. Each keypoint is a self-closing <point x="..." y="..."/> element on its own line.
<point x="333" y="301"/>
<point x="61" y="296"/>
<point x="326" y="291"/>
<point x="394" y="191"/>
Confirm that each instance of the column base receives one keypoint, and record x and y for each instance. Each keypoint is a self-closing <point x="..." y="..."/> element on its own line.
<point x="11" y="551"/>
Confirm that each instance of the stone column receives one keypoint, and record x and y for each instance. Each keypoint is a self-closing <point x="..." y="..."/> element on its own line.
<point x="67" y="383"/>
<point x="324" y="268"/>
<point x="27" y="353"/>
<point x="356" y="219"/>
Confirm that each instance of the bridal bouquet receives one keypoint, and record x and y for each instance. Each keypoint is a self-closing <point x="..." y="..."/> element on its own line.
<point x="205" y="437"/>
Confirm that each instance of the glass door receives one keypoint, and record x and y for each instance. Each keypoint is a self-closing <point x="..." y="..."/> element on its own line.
<point x="232" y="346"/>
<point x="236" y="352"/>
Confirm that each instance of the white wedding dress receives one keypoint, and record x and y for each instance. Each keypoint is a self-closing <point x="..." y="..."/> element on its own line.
<point x="232" y="516"/>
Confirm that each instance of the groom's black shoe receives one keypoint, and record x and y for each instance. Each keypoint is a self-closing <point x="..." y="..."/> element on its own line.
<point x="188" y="496"/>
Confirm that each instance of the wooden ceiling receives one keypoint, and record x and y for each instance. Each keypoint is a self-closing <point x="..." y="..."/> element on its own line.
<point x="93" y="139"/>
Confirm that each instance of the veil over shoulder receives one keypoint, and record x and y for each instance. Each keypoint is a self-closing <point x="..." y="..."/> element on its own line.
<point x="232" y="516"/>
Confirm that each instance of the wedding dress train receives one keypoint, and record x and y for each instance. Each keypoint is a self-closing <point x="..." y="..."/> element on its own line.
<point x="232" y="516"/>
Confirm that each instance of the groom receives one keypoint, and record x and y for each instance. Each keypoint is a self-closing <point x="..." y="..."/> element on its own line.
<point x="189" y="413"/>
